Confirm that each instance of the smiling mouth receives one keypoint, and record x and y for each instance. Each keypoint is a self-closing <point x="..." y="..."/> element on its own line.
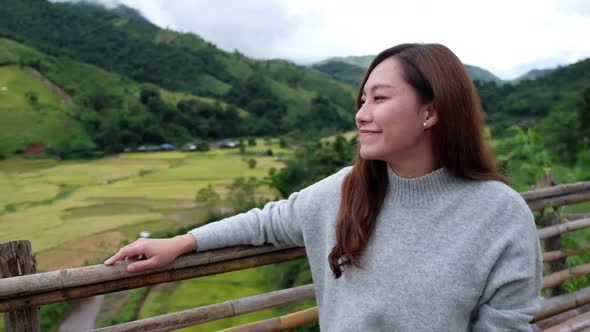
<point x="365" y="133"/>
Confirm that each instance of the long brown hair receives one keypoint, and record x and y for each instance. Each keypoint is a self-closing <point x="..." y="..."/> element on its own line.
<point x="459" y="145"/>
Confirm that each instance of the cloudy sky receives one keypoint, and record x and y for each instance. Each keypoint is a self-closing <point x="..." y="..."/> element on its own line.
<point x="507" y="37"/>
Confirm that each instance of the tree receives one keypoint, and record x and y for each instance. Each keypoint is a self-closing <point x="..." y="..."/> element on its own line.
<point x="100" y="99"/>
<point x="32" y="97"/>
<point x="524" y="149"/>
<point x="207" y="195"/>
<point x="583" y="111"/>
<point x="561" y="135"/>
<point x="243" y="194"/>
<point x="252" y="163"/>
<point x="148" y="94"/>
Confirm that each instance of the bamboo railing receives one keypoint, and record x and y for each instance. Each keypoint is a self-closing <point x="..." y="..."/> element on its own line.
<point x="21" y="290"/>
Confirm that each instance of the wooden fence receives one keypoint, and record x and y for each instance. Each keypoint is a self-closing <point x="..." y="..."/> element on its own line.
<point x="22" y="290"/>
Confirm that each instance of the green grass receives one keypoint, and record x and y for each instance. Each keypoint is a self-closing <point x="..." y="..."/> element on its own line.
<point x="21" y="127"/>
<point x="47" y="121"/>
<point x="210" y="290"/>
<point x="158" y="300"/>
<point x="19" y="82"/>
<point x="128" y="311"/>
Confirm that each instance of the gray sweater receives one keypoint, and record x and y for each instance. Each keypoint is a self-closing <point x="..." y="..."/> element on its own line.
<point x="447" y="254"/>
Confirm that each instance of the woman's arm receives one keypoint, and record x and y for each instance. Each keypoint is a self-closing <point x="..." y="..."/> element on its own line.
<point x="511" y="294"/>
<point x="279" y="223"/>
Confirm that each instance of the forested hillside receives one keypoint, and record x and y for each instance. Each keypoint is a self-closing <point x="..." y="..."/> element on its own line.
<point x="276" y="96"/>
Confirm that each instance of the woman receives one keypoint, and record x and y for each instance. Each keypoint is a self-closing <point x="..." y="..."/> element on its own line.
<point x="421" y="234"/>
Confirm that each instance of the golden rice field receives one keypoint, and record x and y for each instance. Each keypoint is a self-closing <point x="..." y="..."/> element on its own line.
<point x="79" y="211"/>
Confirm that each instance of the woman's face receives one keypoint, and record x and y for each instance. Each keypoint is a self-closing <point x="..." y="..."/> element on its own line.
<point x="391" y="118"/>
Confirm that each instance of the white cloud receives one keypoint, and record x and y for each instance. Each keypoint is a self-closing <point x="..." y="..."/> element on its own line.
<point x="504" y="36"/>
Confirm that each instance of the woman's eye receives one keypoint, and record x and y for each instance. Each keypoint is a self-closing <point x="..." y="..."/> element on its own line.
<point x="377" y="98"/>
<point x="362" y="101"/>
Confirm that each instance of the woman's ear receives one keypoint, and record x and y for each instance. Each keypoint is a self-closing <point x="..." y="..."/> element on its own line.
<point x="430" y="115"/>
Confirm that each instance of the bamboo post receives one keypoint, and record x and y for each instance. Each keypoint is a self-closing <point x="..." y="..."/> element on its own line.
<point x="548" y="219"/>
<point x="16" y="259"/>
<point x="554" y="244"/>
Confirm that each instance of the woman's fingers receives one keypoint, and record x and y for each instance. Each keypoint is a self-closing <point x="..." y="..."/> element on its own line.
<point x="152" y="253"/>
<point x="142" y="265"/>
<point x="115" y="258"/>
<point x="128" y="251"/>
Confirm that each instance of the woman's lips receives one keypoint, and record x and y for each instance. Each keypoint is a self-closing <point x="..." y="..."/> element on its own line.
<point x="369" y="133"/>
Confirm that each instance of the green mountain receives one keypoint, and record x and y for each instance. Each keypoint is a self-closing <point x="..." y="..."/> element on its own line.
<point x="173" y="86"/>
<point x="532" y="100"/>
<point x="362" y="61"/>
<point x="342" y="71"/>
<point x="482" y="75"/>
<point x="534" y="74"/>
<point x="73" y="106"/>
<point x="345" y="69"/>
<point x="146" y="53"/>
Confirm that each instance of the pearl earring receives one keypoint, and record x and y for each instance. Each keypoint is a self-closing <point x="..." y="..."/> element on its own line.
<point x="425" y="124"/>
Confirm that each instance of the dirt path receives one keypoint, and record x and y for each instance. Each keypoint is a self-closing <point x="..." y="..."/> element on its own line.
<point x="83" y="315"/>
<point x="65" y="97"/>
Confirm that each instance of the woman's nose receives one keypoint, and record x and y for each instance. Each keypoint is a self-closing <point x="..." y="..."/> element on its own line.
<point x="363" y="115"/>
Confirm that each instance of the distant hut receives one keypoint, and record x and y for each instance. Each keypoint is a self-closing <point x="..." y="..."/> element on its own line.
<point x="35" y="149"/>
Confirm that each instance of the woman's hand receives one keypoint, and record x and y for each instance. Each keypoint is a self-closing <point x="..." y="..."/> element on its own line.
<point x="155" y="252"/>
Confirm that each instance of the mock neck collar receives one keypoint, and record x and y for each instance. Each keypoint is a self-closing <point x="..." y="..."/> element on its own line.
<point x="423" y="190"/>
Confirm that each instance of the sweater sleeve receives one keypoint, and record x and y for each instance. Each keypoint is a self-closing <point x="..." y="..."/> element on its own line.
<point x="511" y="295"/>
<point x="278" y="223"/>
